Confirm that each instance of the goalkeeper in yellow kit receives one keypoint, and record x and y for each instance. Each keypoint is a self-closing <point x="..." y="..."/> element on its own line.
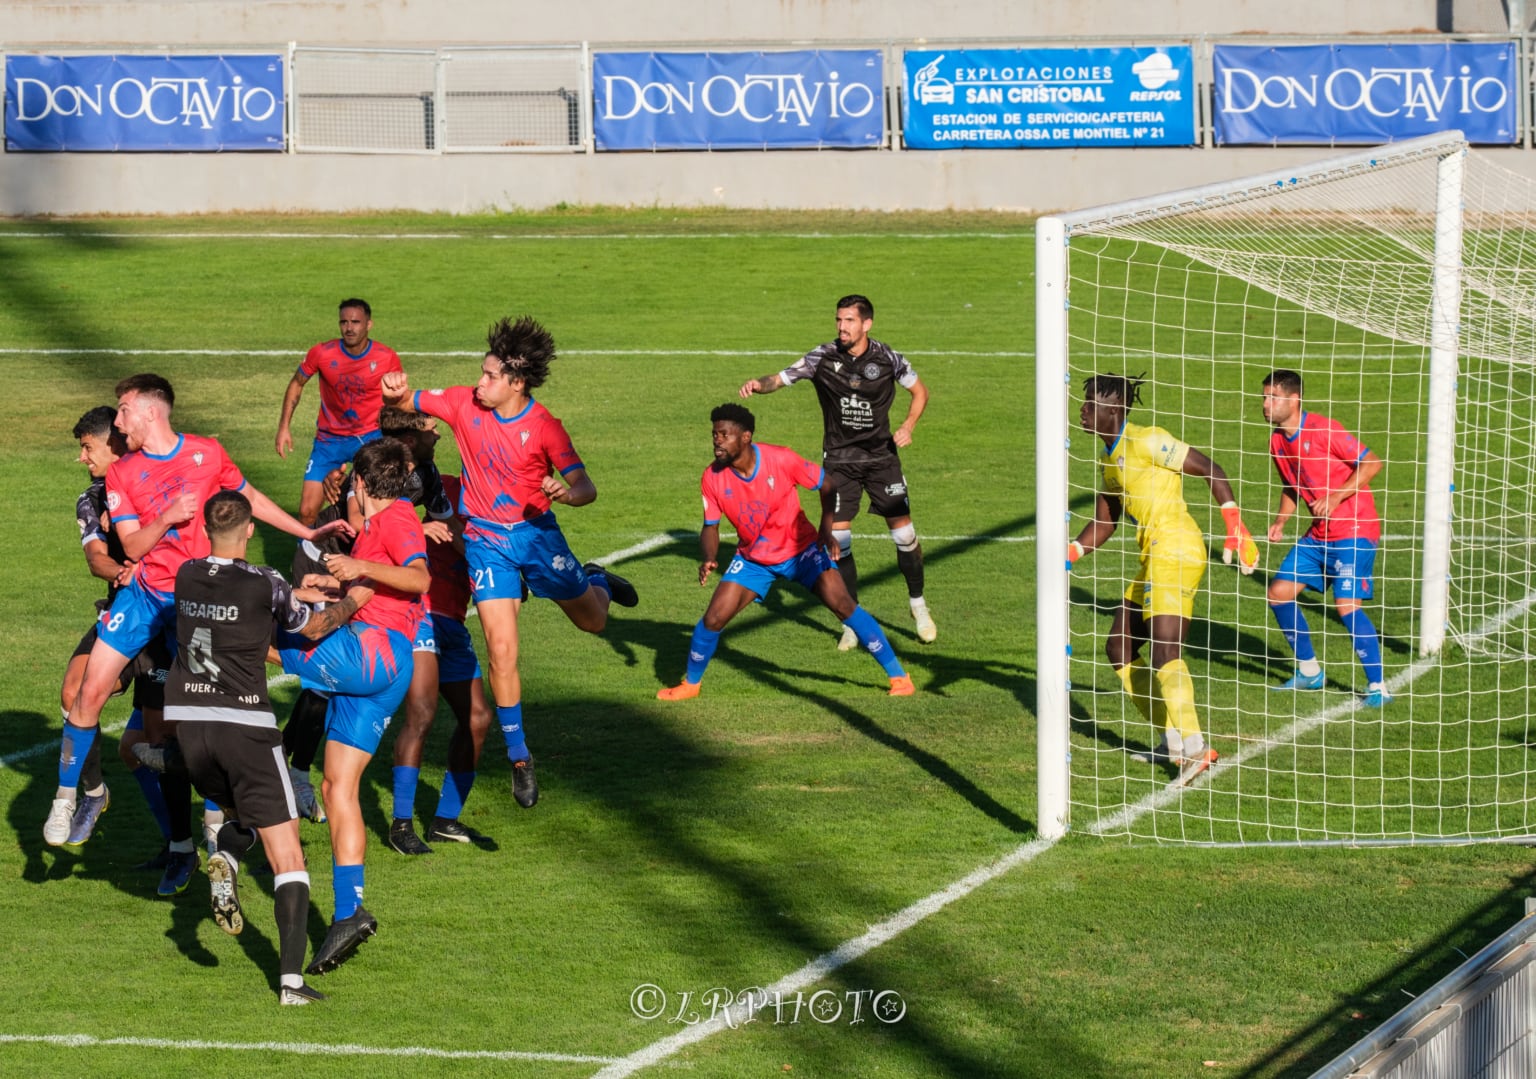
<point x="1144" y="470"/>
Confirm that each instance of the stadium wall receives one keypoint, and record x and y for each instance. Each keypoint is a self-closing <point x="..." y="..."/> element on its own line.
<point x="1031" y="181"/>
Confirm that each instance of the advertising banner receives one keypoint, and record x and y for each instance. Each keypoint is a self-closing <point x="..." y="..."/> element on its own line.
<point x="1368" y="94"/>
<point x="738" y="100"/>
<point x="983" y="98"/>
<point x="144" y="103"/>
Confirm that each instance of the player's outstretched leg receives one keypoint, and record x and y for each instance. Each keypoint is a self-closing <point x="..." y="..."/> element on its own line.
<point x="619" y="588"/>
<point x="701" y="649"/>
<point x="848" y="569"/>
<point x="875" y="643"/>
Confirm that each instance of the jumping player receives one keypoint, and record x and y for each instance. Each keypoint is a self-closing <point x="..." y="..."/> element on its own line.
<point x="155" y="496"/>
<point x="226" y="611"/>
<point x="856" y="379"/>
<point x="1323" y="465"/>
<point x="1144" y="469"/>
<point x="753" y="486"/>
<point x="518" y="460"/>
<point x="351" y="369"/>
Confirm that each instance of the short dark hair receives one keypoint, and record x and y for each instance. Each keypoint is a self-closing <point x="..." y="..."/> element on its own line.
<point x="384" y="464"/>
<point x="866" y="309"/>
<point x="147" y="385"/>
<point x="1284" y="380"/>
<point x="524" y="348"/>
<point x="98" y="422"/>
<point x="1122" y="387"/>
<point x="226" y="511"/>
<point x="731" y="412"/>
<point x="397" y="423"/>
<point x="355" y="302"/>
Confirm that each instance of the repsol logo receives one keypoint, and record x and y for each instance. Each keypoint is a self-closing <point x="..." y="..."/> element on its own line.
<point x="162" y="101"/>
<point x="758" y="99"/>
<point x="1380" y="91"/>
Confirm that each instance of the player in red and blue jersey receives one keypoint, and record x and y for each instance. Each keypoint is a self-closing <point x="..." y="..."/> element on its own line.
<point x="518" y="460"/>
<point x="155" y="496"/>
<point x="754" y="487"/>
<point x="1323" y="465"/>
<point x="351" y="369"/>
<point x="365" y="667"/>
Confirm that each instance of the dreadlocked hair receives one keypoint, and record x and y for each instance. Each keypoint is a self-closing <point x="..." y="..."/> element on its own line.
<point x="524" y="348"/>
<point x="1124" y="388"/>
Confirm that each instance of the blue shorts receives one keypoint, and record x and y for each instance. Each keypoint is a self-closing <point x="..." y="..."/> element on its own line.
<point x="334" y="451"/>
<point x="1345" y="566"/>
<point x="136" y="617"/>
<point x="365" y="671"/>
<point x="448" y="639"/>
<point x="503" y="558"/>
<point x="804" y="569"/>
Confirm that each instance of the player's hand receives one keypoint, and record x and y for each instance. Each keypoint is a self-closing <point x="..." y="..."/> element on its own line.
<point x="395" y="387"/>
<point x="749" y="387"/>
<point x="902" y="437"/>
<point x="331" y="486"/>
<point x="284" y="442"/>
<point x="323" y="583"/>
<point x="341" y="527"/>
<point x="553" y="488"/>
<point x="437" y="531"/>
<point x="1277" y="532"/>
<point x="705" y="569"/>
<point x="344" y="567"/>
<point x="180" y="509"/>
<point x="125" y="574"/>
<point x="1239" y="540"/>
<point x="1074" y="552"/>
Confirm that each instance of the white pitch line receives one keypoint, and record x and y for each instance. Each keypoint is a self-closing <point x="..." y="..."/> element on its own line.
<point x="249" y="352"/>
<point x="83" y="1041"/>
<point x="542" y="237"/>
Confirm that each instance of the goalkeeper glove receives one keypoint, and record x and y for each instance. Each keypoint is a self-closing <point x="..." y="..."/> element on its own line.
<point x="1239" y="539"/>
<point x="1074" y="552"/>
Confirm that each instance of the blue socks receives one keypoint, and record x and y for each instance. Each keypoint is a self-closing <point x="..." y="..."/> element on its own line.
<point x="149" y="783"/>
<point x="73" y="748"/>
<point x="348" y="881"/>
<point x="511" y="719"/>
<point x="1294" y="625"/>
<point x="873" y="638"/>
<point x="455" y="793"/>
<point x="405" y="791"/>
<point x="1367" y="644"/>
<point x="701" y="649"/>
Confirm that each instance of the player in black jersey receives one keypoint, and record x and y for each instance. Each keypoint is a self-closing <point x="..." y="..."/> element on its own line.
<point x="226" y="612"/>
<point x="101" y="444"/>
<point x="856" y="379"/>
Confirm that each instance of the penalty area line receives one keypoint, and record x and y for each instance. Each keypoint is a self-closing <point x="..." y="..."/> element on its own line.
<point x="86" y="1041"/>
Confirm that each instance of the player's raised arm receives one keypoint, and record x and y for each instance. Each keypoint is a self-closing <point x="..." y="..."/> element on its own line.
<point x="269" y="512"/>
<point x="396" y="390"/>
<point x="766" y="384"/>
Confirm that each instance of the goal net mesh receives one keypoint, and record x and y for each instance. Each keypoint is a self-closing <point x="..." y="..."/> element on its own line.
<point x="1330" y="276"/>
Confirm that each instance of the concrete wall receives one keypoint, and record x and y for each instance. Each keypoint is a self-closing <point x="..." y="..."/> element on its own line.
<point x="1024" y="180"/>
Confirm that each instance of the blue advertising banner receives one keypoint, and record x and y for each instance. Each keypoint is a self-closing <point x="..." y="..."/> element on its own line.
<point x="737" y="100"/>
<point x="1364" y="93"/>
<point x="144" y="103"/>
<point x="970" y="99"/>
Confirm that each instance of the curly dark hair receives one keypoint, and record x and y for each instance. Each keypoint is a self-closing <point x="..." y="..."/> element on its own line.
<point x="524" y="348"/>
<point x="731" y="412"/>
<point x="1124" y="388"/>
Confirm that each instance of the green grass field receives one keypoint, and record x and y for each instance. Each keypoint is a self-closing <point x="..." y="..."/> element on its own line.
<point x="723" y="843"/>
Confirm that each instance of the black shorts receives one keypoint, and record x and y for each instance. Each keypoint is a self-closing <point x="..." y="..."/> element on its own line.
<point x="241" y="768"/>
<point x="883" y="480"/>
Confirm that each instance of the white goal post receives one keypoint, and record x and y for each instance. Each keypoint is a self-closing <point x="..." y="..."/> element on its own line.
<point x="1400" y="281"/>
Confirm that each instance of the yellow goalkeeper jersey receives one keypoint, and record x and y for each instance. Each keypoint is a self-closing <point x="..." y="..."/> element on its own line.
<point x="1144" y="470"/>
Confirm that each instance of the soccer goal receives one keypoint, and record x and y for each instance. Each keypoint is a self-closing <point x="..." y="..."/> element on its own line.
<point x="1400" y="282"/>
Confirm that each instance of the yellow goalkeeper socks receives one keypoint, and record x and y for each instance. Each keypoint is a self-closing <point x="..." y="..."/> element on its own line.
<point x="1178" y="692"/>
<point x="1137" y="679"/>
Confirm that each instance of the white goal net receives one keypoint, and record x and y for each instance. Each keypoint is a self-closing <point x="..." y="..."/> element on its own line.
<point x="1400" y="283"/>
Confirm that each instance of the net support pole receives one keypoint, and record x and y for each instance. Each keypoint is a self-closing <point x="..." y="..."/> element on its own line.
<point x="1052" y="644"/>
<point x="1440" y="438"/>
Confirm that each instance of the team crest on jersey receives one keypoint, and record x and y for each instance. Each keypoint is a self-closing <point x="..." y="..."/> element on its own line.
<point x="435" y="393"/>
<point x="770" y="483"/>
<point x="197" y="458"/>
<point x="373" y="365"/>
<point x="854" y="382"/>
<point x="871" y="371"/>
<point x="1306" y="447"/>
<point x="1120" y="461"/>
<point x="112" y="501"/>
<point x="523" y="438"/>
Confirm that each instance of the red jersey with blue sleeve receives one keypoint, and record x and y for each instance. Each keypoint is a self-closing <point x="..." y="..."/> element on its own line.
<point x="1316" y="461"/>
<point x="449" y="594"/>
<point x="764" y="506"/>
<point x="393" y="537"/>
<point x="505" y="460"/>
<point x="140" y="485"/>
<point x="350" y="393"/>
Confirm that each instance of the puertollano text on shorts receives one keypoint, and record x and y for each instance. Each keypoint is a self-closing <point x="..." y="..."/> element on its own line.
<point x="737" y="1007"/>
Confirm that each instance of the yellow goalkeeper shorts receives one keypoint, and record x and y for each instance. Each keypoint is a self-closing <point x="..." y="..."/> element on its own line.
<point x="1171" y="571"/>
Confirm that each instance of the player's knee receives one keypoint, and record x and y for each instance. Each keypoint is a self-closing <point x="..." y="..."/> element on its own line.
<point x="844" y="538"/>
<point x="905" y="537"/>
